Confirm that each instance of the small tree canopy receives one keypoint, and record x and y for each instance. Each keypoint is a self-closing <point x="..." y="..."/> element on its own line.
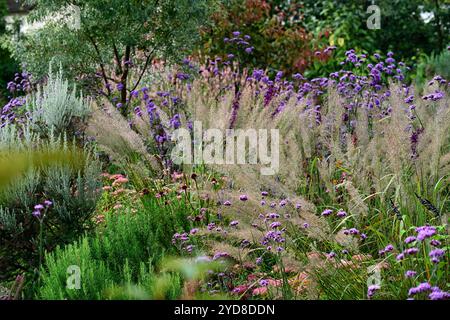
<point x="103" y="41"/>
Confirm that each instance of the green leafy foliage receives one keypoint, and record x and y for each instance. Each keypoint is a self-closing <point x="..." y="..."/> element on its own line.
<point x="435" y="64"/>
<point x="73" y="191"/>
<point x="299" y="29"/>
<point x="124" y="252"/>
<point x="346" y="22"/>
<point x="380" y="172"/>
<point x="273" y="27"/>
<point x="8" y="66"/>
<point x="113" y="41"/>
<point x="54" y="107"/>
<point x="41" y="166"/>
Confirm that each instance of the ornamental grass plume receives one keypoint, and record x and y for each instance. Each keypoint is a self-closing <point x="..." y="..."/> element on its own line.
<point x="113" y="133"/>
<point x="371" y="144"/>
<point x="349" y="140"/>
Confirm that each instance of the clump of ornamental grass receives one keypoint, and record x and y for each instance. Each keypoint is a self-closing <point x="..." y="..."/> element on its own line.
<point x="379" y="156"/>
<point x="123" y="146"/>
<point x="363" y="159"/>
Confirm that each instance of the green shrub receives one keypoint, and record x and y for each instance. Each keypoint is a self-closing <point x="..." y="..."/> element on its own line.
<point x="435" y="64"/>
<point x="73" y="192"/>
<point x="71" y="188"/>
<point x="8" y="66"/>
<point x="269" y="28"/>
<point x="55" y="107"/>
<point x="124" y="251"/>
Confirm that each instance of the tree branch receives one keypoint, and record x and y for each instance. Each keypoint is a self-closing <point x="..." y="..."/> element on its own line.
<point x="102" y="66"/>
<point x="123" y="80"/>
<point x="147" y="61"/>
<point x="118" y="60"/>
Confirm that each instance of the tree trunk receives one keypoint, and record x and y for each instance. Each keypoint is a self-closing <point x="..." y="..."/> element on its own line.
<point x="123" y="80"/>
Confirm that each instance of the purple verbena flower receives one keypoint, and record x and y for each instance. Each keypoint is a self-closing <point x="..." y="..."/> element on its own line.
<point x="234" y="223"/>
<point x="435" y="243"/>
<point x="371" y="290"/>
<point x="273" y="215"/>
<point x="219" y="255"/>
<point x="410" y="239"/>
<point x="243" y="197"/>
<point x="436" y="255"/>
<point x="341" y="213"/>
<point x="400" y="256"/>
<point x="411" y="251"/>
<point x="249" y="50"/>
<point x="410" y="274"/>
<point x="36" y="214"/>
<point x="425" y="232"/>
<point x="263" y="283"/>
<point x="423" y="287"/>
<point x="275" y="225"/>
<point x="439" y="295"/>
